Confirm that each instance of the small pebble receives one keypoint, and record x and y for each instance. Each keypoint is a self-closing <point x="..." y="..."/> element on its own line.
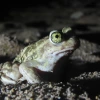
<point x="30" y="94"/>
<point x="13" y="96"/>
<point x="12" y="91"/>
<point x="27" y="97"/>
<point x="50" y="86"/>
<point x="26" y="91"/>
<point x="6" y="98"/>
<point x="31" y="98"/>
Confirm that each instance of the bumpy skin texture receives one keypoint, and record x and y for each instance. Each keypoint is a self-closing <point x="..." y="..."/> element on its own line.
<point x="42" y="55"/>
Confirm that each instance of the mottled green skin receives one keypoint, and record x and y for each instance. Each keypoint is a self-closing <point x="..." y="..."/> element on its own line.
<point x="31" y="52"/>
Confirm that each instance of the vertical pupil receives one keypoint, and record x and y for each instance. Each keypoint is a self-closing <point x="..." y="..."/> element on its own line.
<point x="57" y="36"/>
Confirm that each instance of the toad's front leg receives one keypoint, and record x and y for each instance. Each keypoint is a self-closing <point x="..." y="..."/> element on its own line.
<point x="28" y="71"/>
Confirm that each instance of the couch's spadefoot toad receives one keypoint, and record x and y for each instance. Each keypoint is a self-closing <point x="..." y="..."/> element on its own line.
<point x="42" y="55"/>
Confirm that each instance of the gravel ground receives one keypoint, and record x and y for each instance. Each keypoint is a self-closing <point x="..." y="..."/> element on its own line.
<point x="44" y="91"/>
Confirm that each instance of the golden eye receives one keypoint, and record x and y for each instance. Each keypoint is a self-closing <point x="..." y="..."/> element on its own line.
<point x="55" y="37"/>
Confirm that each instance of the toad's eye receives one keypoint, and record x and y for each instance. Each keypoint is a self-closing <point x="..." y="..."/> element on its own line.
<point x="55" y="37"/>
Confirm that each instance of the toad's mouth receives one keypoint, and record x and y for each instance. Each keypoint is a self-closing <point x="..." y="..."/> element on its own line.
<point x="65" y="51"/>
